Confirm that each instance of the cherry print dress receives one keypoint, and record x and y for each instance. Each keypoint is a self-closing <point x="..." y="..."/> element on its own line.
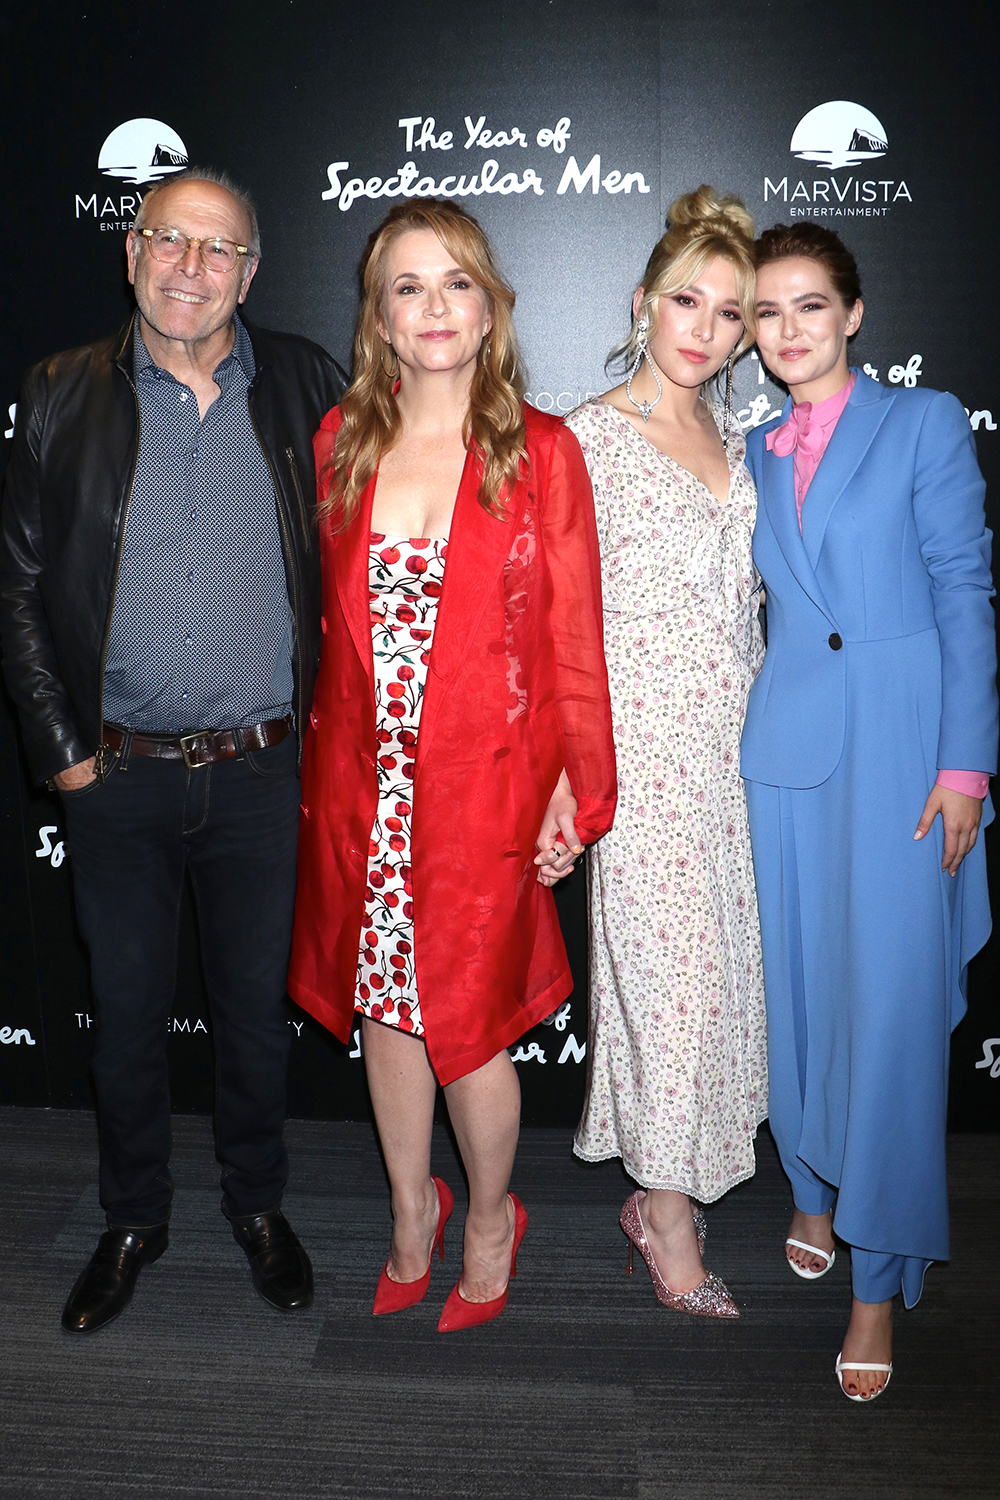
<point x="405" y="576"/>
<point x="677" y="1079"/>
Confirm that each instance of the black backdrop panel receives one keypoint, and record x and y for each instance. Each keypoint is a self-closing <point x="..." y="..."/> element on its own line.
<point x="23" y="1071"/>
<point x="567" y="128"/>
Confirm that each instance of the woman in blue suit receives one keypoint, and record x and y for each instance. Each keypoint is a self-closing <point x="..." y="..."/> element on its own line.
<point x="869" y="735"/>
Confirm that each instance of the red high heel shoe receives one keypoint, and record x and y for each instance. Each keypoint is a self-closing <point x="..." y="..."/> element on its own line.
<point x="458" y="1313"/>
<point x="392" y="1296"/>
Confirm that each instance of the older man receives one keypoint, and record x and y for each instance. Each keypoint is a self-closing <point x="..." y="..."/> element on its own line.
<point x="160" y="623"/>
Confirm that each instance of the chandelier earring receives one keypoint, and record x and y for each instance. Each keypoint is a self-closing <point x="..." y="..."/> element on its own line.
<point x="727" y="410"/>
<point x="642" y="353"/>
<point x="391" y="370"/>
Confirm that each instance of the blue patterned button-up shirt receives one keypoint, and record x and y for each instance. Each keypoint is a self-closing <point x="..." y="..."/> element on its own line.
<point x="202" y="633"/>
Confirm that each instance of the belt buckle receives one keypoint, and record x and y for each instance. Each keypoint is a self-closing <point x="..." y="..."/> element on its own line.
<point x="189" y="744"/>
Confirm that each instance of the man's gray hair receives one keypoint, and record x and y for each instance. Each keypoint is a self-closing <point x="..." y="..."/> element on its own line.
<point x="205" y="174"/>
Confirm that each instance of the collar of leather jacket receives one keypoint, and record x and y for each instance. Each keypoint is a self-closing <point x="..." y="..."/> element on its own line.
<point x="124" y="351"/>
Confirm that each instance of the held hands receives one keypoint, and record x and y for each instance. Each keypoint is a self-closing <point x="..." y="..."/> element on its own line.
<point x="557" y="842"/>
<point x="80" y="775"/>
<point x="960" y="818"/>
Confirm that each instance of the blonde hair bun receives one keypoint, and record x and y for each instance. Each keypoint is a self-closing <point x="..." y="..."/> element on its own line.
<point x="704" y="210"/>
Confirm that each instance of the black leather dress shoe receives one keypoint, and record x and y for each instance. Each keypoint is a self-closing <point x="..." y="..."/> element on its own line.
<point x="280" y="1267"/>
<point x="105" y="1288"/>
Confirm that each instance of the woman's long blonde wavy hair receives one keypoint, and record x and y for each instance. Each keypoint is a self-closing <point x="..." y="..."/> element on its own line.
<point x="700" y="226"/>
<point x="494" y="423"/>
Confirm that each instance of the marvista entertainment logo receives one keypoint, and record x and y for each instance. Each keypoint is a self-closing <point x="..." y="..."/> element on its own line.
<point x="839" y="134"/>
<point x="138" y="151"/>
<point x="142" y="151"/>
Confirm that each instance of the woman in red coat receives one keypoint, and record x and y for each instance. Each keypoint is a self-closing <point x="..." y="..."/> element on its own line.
<point x="460" y="753"/>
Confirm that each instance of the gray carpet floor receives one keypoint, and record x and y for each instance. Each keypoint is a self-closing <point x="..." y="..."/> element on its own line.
<point x="585" y="1389"/>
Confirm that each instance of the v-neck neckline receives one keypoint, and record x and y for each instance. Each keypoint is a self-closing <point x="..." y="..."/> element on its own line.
<point x="721" y="505"/>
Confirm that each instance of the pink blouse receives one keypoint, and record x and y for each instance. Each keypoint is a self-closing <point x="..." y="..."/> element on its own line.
<point x="805" y="435"/>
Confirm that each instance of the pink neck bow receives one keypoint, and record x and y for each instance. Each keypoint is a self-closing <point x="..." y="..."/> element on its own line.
<point x="798" y="432"/>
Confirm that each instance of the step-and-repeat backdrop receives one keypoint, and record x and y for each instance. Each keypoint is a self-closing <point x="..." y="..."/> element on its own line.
<point x="567" y="127"/>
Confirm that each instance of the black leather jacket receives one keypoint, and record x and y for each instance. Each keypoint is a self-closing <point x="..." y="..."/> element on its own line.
<point x="65" y="507"/>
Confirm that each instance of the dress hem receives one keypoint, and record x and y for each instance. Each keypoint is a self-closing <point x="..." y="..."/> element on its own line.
<point x="674" y="1187"/>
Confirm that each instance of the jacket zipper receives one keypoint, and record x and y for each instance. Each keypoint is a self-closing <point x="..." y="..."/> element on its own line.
<point x="292" y="570"/>
<point x="118" y="559"/>
<point x="294" y="468"/>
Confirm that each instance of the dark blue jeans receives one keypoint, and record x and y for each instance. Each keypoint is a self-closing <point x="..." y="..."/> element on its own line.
<point x="233" y="826"/>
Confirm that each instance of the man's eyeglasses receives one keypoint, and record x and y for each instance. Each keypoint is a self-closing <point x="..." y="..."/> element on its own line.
<point x="170" y="246"/>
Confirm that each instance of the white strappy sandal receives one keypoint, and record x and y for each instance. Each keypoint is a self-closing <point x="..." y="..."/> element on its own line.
<point x="841" y="1365"/>
<point x="803" y="1271"/>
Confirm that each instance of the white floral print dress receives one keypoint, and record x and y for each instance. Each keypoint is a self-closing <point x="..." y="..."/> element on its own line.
<point x="677" y="1070"/>
<point x="404" y="584"/>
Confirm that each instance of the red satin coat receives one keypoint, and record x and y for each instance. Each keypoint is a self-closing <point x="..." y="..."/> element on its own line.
<point x="516" y="689"/>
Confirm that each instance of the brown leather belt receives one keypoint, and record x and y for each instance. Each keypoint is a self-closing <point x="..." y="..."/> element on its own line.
<point x="200" y="748"/>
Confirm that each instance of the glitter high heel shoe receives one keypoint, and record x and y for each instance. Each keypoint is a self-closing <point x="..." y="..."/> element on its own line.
<point x="392" y="1296"/>
<point x="709" y="1299"/>
<point x="700" y="1229"/>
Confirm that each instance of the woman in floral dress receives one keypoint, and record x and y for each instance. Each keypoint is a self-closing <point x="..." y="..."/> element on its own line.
<point x="676" y="1057"/>
<point x="460" y="753"/>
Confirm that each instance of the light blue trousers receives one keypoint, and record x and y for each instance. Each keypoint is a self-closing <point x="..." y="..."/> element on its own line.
<point x="875" y="1275"/>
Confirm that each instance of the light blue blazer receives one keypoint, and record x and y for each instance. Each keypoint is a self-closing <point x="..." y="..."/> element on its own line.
<point x="893" y="545"/>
